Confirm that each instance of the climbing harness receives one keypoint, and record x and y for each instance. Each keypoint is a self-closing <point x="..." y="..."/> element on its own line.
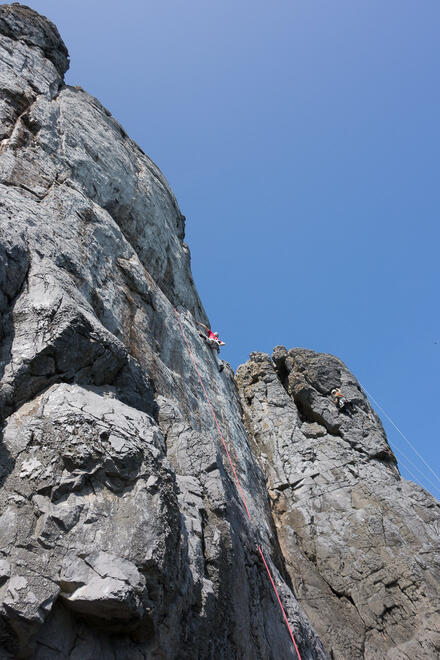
<point x="237" y="481"/>
<point x="339" y="399"/>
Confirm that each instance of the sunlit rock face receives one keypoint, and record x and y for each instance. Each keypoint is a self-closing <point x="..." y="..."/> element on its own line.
<point x="360" y="543"/>
<point x="122" y="530"/>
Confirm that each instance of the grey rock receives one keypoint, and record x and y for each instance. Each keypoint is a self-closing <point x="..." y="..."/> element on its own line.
<point x="115" y="530"/>
<point x="32" y="61"/>
<point x="104" y="586"/>
<point x="26" y="602"/>
<point x="122" y="529"/>
<point x="104" y="418"/>
<point x="23" y="24"/>
<point x="5" y="570"/>
<point x="360" y="543"/>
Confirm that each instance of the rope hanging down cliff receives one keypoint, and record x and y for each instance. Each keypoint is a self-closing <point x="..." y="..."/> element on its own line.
<point x="240" y="490"/>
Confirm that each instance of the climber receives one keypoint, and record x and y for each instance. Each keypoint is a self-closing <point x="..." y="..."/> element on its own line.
<point x="339" y="399"/>
<point x="214" y="342"/>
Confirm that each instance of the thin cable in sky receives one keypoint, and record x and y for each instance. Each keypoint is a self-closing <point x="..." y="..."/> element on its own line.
<point x="416" y="479"/>
<point x="424" y="475"/>
<point x="402" y="434"/>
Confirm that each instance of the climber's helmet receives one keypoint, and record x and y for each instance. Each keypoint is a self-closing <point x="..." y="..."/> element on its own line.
<point x="334" y="391"/>
<point x="216" y="334"/>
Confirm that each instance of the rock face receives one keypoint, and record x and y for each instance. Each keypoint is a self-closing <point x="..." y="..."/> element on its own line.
<point x="360" y="543"/>
<point x="122" y="529"/>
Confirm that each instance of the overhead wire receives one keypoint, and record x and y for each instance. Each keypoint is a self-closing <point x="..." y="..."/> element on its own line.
<point x="402" y="434"/>
<point x="414" y="477"/>
<point x="421" y="472"/>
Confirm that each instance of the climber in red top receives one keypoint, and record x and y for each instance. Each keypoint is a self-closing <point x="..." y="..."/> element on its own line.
<point x="214" y="342"/>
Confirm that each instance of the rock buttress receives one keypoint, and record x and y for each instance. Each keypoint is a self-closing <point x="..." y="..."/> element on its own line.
<point x="360" y="543"/>
<point x="122" y="534"/>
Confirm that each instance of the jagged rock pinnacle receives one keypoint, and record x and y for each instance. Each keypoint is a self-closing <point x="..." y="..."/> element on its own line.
<point x="21" y="23"/>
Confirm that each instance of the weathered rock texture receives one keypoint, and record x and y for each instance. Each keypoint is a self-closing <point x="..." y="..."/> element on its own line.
<point x="360" y="543"/>
<point x="122" y="534"/>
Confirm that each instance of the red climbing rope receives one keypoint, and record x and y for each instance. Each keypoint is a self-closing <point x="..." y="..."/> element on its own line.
<point x="279" y="601"/>
<point x="214" y="416"/>
<point x="236" y="478"/>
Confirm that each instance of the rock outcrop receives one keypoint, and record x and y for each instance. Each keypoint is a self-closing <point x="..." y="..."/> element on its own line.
<point x="122" y="529"/>
<point x="360" y="543"/>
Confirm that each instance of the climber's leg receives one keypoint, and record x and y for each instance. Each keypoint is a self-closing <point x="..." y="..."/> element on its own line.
<point x="217" y="360"/>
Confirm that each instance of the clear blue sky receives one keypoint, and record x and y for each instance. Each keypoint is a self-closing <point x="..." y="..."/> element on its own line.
<point x="301" y="138"/>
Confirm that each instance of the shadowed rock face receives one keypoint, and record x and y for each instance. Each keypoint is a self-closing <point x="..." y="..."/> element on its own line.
<point x="122" y="534"/>
<point x="360" y="543"/>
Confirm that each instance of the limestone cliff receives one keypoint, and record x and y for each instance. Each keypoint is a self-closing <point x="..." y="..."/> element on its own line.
<point x="122" y="530"/>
